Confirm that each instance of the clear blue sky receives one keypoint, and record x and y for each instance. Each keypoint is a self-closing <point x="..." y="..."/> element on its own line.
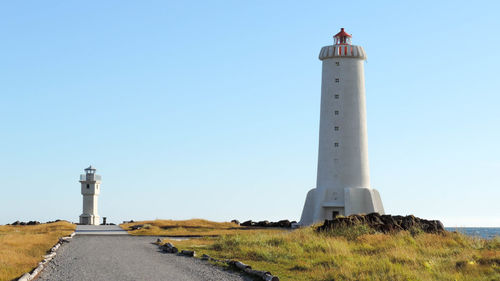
<point x="211" y="110"/>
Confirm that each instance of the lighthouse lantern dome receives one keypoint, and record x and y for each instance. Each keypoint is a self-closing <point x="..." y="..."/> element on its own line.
<point x="342" y="38"/>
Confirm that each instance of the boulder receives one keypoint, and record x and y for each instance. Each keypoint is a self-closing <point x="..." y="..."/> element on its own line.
<point x="284" y="223"/>
<point x="263" y="224"/>
<point x="169" y="248"/>
<point x="236" y="222"/>
<point x="274" y="224"/>
<point x="188" y="253"/>
<point x="247" y="223"/>
<point x="384" y="223"/>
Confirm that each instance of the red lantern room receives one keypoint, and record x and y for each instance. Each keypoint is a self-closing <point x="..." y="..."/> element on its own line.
<point x="342" y="38"/>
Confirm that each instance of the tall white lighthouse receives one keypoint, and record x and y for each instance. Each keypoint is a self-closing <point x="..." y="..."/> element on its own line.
<point x="91" y="186"/>
<point x="343" y="183"/>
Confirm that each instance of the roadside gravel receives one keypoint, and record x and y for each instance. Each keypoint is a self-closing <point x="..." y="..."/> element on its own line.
<point x="127" y="258"/>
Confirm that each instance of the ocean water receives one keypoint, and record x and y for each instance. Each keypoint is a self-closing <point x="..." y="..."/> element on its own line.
<point x="483" y="232"/>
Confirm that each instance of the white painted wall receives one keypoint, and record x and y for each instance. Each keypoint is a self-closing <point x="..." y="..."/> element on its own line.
<point x="347" y="164"/>
<point x="343" y="180"/>
<point x="90" y="201"/>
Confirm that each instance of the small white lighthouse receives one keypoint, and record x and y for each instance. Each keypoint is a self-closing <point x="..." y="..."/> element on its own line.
<point x="91" y="185"/>
<point x="343" y="182"/>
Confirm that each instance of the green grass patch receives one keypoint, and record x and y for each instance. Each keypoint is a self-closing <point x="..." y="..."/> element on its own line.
<point x="357" y="253"/>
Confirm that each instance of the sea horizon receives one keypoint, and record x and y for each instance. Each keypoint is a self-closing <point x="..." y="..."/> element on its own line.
<point x="486" y="232"/>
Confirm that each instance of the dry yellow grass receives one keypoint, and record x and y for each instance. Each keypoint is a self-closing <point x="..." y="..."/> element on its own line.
<point x="23" y="247"/>
<point x="193" y="227"/>
<point x="305" y="254"/>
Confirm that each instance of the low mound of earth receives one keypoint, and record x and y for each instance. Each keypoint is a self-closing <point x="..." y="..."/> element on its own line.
<point x="384" y="223"/>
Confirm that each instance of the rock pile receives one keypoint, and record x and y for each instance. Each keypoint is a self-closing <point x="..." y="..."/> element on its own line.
<point x="25" y="223"/>
<point x="281" y="223"/>
<point x="384" y="223"/>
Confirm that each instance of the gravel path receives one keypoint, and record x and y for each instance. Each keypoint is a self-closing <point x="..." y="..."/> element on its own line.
<point x="127" y="258"/>
<point x="99" y="230"/>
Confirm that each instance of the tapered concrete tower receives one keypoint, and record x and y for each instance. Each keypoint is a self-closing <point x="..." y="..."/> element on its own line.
<point x="91" y="184"/>
<point x="343" y="183"/>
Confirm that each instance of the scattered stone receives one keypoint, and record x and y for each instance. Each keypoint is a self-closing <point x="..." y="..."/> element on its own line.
<point x="241" y="265"/>
<point x="259" y="273"/>
<point x="269" y="277"/>
<point x="49" y="256"/>
<point x="384" y="223"/>
<point x="169" y="248"/>
<point x="236" y="222"/>
<point x="136" y="227"/>
<point x="264" y="275"/>
<point x="188" y="253"/>
<point x="25" y="277"/>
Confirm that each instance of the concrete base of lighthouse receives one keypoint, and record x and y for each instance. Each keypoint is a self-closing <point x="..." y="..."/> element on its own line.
<point x="87" y="219"/>
<point x="357" y="200"/>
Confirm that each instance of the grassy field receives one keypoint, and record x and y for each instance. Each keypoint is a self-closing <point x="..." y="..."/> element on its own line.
<point x="22" y="247"/>
<point x="348" y="254"/>
<point x="194" y="227"/>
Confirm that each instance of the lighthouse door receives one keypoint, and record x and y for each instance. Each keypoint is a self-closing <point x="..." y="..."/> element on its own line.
<point x="85" y="220"/>
<point x="335" y="214"/>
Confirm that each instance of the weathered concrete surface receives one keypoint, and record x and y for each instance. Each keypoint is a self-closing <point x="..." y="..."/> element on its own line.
<point x="127" y="258"/>
<point x="99" y="230"/>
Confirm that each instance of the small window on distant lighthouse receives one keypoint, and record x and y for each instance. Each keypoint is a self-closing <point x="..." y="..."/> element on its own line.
<point x="336" y="144"/>
<point x="336" y="128"/>
<point x="336" y="112"/>
<point x="337" y="63"/>
<point x="336" y="96"/>
<point x="88" y="185"/>
<point x="337" y="80"/>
